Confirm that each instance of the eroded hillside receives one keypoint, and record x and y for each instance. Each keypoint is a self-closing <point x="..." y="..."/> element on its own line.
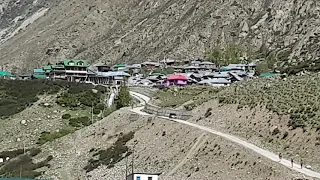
<point x="138" y="30"/>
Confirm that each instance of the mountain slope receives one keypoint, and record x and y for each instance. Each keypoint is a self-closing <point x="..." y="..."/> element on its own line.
<point x="134" y="31"/>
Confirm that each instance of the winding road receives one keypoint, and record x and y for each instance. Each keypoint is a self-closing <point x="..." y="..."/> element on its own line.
<point x="270" y="155"/>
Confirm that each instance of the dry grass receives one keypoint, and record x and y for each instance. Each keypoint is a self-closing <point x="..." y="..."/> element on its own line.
<point x="296" y="96"/>
<point x="177" y="96"/>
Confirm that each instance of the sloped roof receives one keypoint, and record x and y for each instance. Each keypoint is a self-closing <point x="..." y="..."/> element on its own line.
<point x="76" y="62"/>
<point x="177" y="77"/>
<point x="215" y="81"/>
<point x="38" y="71"/>
<point x="49" y="67"/>
<point x="5" y="73"/>
<point x="113" y="74"/>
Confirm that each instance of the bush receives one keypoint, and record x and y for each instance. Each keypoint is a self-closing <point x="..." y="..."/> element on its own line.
<point x="80" y="121"/>
<point x="17" y="95"/>
<point x="66" y="116"/>
<point x="123" y="98"/>
<point x="98" y="108"/>
<point x="112" y="155"/>
<point x="86" y="98"/>
<point x="51" y="136"/>
<point x="23" y="165"/>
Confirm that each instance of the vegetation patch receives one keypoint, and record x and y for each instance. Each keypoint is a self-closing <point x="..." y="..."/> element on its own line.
<point x="21" y="163"/>
<point x="15" y="96"/>
<point x="80" y="121"/>
<point x="51" y="136"/>
<point x="123" y="99"/>
<point x="82" y="96"/>
<point x="112" y="155"/>
<point x="296" y="96"/>
<point x="174" y="97"/>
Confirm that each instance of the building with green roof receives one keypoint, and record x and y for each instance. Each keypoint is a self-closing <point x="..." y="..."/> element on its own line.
<point x="75" y="63"/>
<point x="76" y="70"/>
<point x="5" y="75"/>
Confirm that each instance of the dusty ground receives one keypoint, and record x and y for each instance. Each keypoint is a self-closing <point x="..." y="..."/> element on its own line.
<point x="176" y="151"/>
<point x="257" y="125"/>
<point x="16" y="134"/>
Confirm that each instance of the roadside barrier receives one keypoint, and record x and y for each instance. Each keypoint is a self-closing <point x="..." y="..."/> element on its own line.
<point x="167" y="112"/>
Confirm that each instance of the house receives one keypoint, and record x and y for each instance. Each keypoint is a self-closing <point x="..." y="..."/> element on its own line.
<point x="143" y="176"/>
<point x="215" y="82"/>
<point x="168" y="62"/>
<point x="150" y="65"/>
<point x="119" y="67"/>
<point x="103" y="68"/>
<point x="6" y="75"/>
<point x="47" y="69"/>
<point x="58" y="71"/>
<point x="208" y="65"/>
<point x="234" y="67"/>
<point x="39" y="74"/>
<point x="25" y="76"/>
<point x="110" y="77"/>
<point x="176" y="79"/>
<point x="76" y="70"/>
<point x="191" y="69"/>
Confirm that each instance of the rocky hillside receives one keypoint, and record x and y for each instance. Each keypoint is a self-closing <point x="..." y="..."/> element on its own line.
<point x="138" y="30"/>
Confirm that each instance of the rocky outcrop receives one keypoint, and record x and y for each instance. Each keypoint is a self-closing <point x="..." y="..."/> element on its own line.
<point x="135" y="31"/>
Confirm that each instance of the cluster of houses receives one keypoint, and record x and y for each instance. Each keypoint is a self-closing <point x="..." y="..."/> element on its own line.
<point x="181" y="73"/>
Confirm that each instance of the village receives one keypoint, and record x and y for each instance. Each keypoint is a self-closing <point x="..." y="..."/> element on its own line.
<point x="163" y="73"/>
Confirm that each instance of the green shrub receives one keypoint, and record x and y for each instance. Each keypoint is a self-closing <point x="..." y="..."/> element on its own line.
<point x="66" y="116"/>
<point x="80" y="121"/>
<point x="51" y="136"/>
<point x="17" y="95"/>
<point x="109" y="110"/>
<point x="123" y="98"/>
<point x="22" y="165"/>
<point x="112" y="155"/>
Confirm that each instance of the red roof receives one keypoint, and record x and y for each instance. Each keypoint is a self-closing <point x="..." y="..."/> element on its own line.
<point x="177" y="77"/>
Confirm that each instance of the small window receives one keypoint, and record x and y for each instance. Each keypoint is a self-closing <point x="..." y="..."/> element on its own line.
<point x="149" y="178"/>
<point x="138" y="178"/>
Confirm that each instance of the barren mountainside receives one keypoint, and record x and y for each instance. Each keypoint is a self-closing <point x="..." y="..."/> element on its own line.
<point x="140" y="30"/>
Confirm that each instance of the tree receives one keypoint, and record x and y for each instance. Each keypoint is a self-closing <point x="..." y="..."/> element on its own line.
<point x="124" y="98"/>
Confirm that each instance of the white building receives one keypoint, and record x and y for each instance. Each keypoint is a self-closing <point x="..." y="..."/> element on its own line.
<point x="143" y="176"/>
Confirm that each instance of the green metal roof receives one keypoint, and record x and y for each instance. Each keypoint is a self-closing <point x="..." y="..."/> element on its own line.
<point x="39" y="76"/>
<point x="47" y="68"/>
<point x="5" y="73"/>
<point x="83" y="63"/>
<point x="58" y="66"/>
<point x="120" y="65"/>
<point x="267" y="75"/>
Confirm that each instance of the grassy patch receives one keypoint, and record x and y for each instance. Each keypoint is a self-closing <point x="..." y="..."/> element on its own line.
<point x="172" y="98"/>
<point x="21" y="164"/>
<point x="112" y="155"/>
<point x="296" y="96"/>
<point x="15" y="96"/>
<point x="51" y="136"/>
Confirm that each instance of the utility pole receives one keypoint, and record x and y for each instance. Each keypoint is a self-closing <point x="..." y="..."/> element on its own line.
<point x="91" y="112"/>
<point x="126" y="168"/>
<point x="132" y="159"/>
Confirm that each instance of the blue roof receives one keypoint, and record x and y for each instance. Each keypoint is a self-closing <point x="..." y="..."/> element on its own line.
<point x="113" y="74"/>
<point x="38" y="71"/>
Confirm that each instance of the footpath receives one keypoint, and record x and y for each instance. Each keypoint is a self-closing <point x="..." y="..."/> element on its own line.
<point x="270" y="155"/>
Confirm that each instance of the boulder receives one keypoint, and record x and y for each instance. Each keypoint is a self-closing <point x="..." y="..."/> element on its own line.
<point x="23" y="122"/>
<point x="308" y="167"/>
<point x="95" y="91"/>
<point x="274" y="130"/>
<point x="46" y="104"/>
